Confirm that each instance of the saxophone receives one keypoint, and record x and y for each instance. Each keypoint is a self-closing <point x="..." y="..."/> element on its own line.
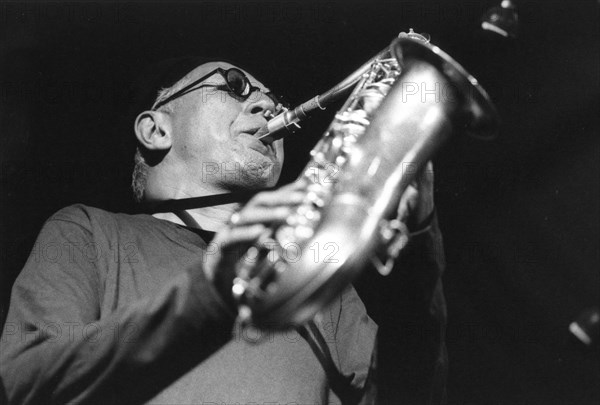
<point x="409" y="99"/>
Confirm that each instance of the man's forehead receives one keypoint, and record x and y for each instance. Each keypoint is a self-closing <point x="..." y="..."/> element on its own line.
<point x="208" y="67"/>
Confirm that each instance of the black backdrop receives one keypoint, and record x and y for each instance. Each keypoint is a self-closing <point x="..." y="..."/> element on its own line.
<point x="519" y="214"/>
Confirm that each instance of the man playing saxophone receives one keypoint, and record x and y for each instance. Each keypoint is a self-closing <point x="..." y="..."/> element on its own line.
<point x="126" y="311"/>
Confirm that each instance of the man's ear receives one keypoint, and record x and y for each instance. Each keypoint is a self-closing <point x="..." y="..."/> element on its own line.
<point x="153" y="130"/>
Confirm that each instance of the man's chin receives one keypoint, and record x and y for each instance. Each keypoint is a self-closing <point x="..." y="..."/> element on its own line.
<point x="258" y="177"/>
<point x="258" y="182"/>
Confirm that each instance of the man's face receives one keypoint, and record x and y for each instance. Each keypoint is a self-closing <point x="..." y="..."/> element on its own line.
<point x="214" y="137"/>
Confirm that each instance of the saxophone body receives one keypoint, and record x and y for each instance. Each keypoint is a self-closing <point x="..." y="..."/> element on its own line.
<point x="409" y="102"/>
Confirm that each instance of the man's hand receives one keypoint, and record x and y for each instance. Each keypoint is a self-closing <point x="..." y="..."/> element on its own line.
<point x="416" y="204"/>
<point x="246" y="227"/>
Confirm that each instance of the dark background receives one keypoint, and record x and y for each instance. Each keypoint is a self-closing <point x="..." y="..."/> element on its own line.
<point x="519" y="214"/>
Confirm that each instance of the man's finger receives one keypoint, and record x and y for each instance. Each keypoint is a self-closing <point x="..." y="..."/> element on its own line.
<point x="424" y="177"/>
<point x="283" y="196"/>
<point x="407" y="203"/>
<point x="236" y="236"/>
<point x="262" y="215"/>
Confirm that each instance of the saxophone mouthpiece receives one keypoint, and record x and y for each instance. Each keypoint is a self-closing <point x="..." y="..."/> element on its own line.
<point x="283" y="124"/>
<point x="264" y="135"/>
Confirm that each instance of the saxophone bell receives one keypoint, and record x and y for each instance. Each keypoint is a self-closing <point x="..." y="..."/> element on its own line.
<point x="381" y="130"/>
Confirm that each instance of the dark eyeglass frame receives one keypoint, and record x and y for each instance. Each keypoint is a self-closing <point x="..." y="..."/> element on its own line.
<point x="246" y="89"/>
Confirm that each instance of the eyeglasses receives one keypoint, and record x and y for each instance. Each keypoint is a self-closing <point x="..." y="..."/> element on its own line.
<point x="236" y="84"/>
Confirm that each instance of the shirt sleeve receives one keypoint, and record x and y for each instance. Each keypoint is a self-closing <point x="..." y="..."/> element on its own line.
<point x="351" y="336"/>
<point x="418" y="333"/>
<point x="56" y="349"/>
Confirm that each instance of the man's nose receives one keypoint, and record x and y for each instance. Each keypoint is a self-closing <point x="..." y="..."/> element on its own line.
<point x="258" y="103"/>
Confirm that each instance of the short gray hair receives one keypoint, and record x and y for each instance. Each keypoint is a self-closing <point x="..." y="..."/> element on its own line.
<point x="139" y="176"/>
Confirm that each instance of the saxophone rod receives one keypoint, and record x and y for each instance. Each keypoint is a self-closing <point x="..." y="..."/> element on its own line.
<point x="288" y="121"/>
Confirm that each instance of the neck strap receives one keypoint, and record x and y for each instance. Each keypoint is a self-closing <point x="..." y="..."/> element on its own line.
<point x="197" y="202"/>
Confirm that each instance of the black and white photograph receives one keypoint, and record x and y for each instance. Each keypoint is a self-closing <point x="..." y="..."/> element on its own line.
<point x="300" y="202"/>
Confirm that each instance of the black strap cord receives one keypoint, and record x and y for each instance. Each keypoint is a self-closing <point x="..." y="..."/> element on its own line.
<point x="198" y="202"/>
